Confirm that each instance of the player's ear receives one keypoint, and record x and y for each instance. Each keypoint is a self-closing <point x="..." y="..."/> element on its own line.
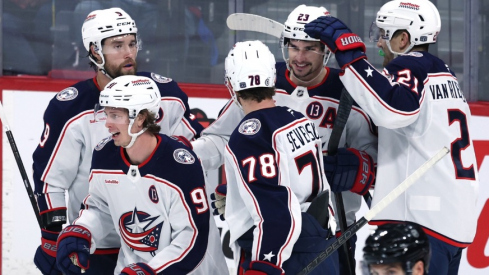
<point x="418" y="268"/>
<point x="140" y="119"/>
<point x="404" y="40"/>
<point x="94" y="53"/>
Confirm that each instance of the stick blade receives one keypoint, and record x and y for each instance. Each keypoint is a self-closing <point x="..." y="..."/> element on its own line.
<point x="253" y="22"/>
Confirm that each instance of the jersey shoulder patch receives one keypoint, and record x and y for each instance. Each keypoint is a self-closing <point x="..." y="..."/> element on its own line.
<point x="249" y="127"/>
<point x="102" y="143"/>
<point x="183" y="156"/>
<point x="160" y="79"/>
<point x="69" y="93"/>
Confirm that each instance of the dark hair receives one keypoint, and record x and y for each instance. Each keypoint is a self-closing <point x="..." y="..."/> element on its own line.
<point x="257" y="94"/>
<point x="150" y="122"/>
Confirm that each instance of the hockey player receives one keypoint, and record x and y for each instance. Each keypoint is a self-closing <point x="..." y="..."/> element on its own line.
<point x="397" y="249"/>
<point x="306" y="85"/>
<point x="418" y="105"/>
<point x="71" y="131"/>
<point x="137" y="188"/>
<point x="274" y="170"/>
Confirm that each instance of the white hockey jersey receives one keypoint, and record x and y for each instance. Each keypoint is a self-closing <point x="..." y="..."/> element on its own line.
<point x="419" y="108"/>
<point x="158" y="208"/>
<point x="274" y="168"/>
<point x="71" y="132"/>
<point x="318" y="103"/>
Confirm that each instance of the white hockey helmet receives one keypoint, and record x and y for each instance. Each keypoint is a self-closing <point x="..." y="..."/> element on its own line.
<point x="298" y="18"/>
<point x="249" y="64"/>
<point x="294" y="27"/>
<point x="102" y="24"/>
<point x="134" y="93"/>
<point x="419" y="17"/>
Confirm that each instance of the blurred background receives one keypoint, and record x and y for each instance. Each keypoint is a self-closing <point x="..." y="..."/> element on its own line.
<point x="188" y="40"/>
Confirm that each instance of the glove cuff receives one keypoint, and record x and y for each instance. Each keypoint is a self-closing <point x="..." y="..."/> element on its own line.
<point x="263" y="268"/>
<point x="366" y="175"/>
<point x="138" y="269"/>
<point x="76" y="231"/>
<point x="349" y="41"/>
<point x="345" y="58"/>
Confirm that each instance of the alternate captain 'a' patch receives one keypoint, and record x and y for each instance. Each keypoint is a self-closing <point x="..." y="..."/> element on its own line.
<point x="250" y="127"/>
<point x="160" y="78"/>
<point x="102" y="143"/>
<point x="183" y="156"/>
<point x="67" y="94"/>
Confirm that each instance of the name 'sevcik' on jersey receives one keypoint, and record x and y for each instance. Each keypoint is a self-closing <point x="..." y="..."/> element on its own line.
<point x="318" y="103"/>
<point x="428" y="112"/>
<point x="274" y="170"/>
<point x="71" y="132"/>
<point x="158" y="208"/>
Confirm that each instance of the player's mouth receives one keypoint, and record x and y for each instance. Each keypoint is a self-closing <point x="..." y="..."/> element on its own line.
<point x="301" y="66"/>
<point x="116" y="134"/>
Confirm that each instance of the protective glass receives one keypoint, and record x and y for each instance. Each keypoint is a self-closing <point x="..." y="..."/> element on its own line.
<point x="122" y="44"/>
<point x="110" y="115"/>
<point x="375" y="33"/>
<point x="98" y="113"/>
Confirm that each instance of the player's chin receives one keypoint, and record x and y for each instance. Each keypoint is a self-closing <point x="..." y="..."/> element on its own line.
<point x="128" y="71"/>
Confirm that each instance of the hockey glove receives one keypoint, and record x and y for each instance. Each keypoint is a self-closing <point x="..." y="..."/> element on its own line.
<point x="74" y="249"/>
<point x="45" y="257"/>
<point x="347" y="46"/>
<point x="138" y="269"/>
<point x="219" y="201"/>
<point x="350" y="169"/>
<point x="263" y="268"/>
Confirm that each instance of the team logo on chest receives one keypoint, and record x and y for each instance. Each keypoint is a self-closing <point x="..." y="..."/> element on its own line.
<point x="67" y="94"/>
<point x="250" y="127"/>
<point x="183" y="156"/>
<point x="139" y="231"/>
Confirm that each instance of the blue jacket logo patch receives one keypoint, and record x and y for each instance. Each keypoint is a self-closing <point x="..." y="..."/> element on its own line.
<point x="183" y="156"/>
<point x="102" y="143"/>
<point x="67" y="94"/>
<point x="160" y="78"/>
<point x="250" y="127"/>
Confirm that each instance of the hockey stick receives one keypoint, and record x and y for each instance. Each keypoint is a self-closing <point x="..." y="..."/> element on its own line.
<point x="13" y="145"/>
<point x="401" y="188"/>
<point x="255" y="23"/>
<point x="344" y="108"/>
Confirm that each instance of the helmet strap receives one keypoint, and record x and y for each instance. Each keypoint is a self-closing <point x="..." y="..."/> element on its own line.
<point x="388" y="42"/>
<point x="134" y="136"/>
<point x="234" y="96"/>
